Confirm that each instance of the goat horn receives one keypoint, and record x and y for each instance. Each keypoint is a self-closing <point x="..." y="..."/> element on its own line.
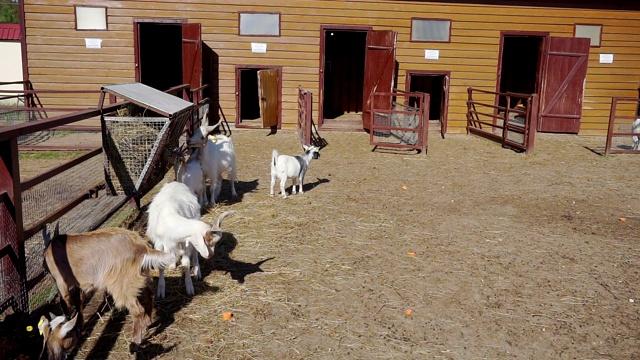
<point x="222" y="216"/>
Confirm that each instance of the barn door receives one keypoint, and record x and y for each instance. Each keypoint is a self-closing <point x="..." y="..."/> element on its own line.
<point x="268" y="92"/>
<point x="566" y="62"/>
<point x="379" y="68"/>
<point x="444" y="105"/>
<point x="191" y="55"/>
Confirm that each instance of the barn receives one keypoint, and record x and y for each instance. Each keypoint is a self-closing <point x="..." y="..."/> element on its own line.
<point x="254" y="56"/>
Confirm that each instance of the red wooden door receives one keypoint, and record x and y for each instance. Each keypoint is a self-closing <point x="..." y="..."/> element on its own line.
<point x="566" y="62"/>
<point x="191" y="55"/>
<point x="379" y="68"/>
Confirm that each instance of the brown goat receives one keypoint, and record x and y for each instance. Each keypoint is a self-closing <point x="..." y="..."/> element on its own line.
<point x="114" y="260"/>
<point x="60" y="336"/>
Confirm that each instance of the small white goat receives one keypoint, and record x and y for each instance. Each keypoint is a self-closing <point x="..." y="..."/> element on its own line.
<point x="217" y="157"/>
<point x="286" y="167"/>
<point x="189" y="172"/>
<point x="175" y="228"/>
<point x="635" y="128"/>
<point x="60" y="335"/>
<point x="112" y="259"/>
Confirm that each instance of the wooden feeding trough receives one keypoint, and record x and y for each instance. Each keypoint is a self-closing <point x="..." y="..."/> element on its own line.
<point x="139" y="136"/>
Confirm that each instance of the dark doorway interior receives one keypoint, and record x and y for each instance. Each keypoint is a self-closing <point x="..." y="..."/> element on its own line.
<point x="434" y="85"/>
<point x="259" y="96"/>
<point x="344" y="62"/>
<point x="249" y="96"/>
<point x="160" y="54"/>
<point x="520" y="65"/>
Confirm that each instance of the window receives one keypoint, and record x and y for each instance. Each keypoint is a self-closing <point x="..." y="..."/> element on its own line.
<point x="432" y="30"/>
<point x="592" y="32"/>
<point x="91" y="18"/>
<point x="259" y="24"/>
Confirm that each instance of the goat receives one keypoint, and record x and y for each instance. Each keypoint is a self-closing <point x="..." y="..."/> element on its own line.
<point x="217" y="157"/>
<point x="286" y="167"/>
<point x="635" y="128"/>
<point x="112" y="259"/>
<point x="175" y="228"/>
<point x="60" y="335"/>
<point x="189" y="172"/>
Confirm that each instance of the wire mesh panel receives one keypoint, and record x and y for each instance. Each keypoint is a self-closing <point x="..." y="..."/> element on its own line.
<point x="399" y="125"/>
<point x="622" y="135"/>
<point x="129" y="145"/>
<point x="10" y="281"/>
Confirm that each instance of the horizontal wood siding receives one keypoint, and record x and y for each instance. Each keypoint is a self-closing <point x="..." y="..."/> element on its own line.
<point x="58" y="58"/>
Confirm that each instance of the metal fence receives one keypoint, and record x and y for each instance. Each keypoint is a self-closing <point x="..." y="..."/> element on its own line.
<point x="620" y="133"/>
<point x="510" y="125"/>
<point x="399" y="120"/>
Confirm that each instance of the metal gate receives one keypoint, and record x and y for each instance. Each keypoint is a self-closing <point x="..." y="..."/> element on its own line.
<point x="399" y="120"/>
<point x="621" y="133"/>
<point x="306" y="128"/>
<point x="512" y="127"/>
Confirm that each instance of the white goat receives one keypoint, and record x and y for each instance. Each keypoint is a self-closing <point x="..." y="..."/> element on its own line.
<point x="112" y="259"/>
<point x="217" y="157"/>
<point x="175" y="228"/>
<point x="189" y="172"/>
<point x="635" y="128"/>
<point x="60" y="335"/>
<point x="286" y="167"/>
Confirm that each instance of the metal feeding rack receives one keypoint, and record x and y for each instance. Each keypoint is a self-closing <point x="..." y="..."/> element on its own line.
<point x="138" y="137"/>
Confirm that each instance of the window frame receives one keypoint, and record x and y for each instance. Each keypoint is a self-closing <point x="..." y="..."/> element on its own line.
<point x="429" y="19"/>
<point x="575" y="28"/>
<point x="106" y="17"/>
<point x="240" y="13"/>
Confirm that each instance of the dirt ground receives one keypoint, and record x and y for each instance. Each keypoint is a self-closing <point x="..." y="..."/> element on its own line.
<point x="497" y="255"/>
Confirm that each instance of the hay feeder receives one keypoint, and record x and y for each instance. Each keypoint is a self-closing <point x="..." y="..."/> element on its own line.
<point x="137" y="138"/>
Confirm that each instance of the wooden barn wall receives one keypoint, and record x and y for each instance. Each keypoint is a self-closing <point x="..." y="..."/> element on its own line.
<point x="58" y="58"/>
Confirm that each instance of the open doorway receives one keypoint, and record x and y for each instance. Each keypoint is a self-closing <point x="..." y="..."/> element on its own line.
<point x="159" y="54"/>
<point x="436" y="84"/>
<point x="258" y="103"/>
<point x="520" y="64"/>
<point x="342" y="76"/>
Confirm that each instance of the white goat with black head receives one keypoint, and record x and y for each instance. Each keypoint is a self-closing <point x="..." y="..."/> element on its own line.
<point x="217" y="158"/>
<point x="286" y="167"/>
<point x="174" y="227"/>
<point x="635" y="128"/>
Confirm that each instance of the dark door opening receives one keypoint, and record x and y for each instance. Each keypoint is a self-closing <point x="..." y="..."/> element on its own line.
<point x="520" y="65"/>
<point x="258" y="101"/>
<point x="159" y="57"/>
<point x="343" y="69"/>
<point x="436" y="84"/>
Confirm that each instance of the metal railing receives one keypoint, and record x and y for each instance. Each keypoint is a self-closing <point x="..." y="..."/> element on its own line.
<point x="512" y="127"/>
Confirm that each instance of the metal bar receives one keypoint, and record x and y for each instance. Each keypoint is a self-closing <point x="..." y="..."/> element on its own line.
<point x="58" y="213"/>
<point x="25" y="185"/>
<point x="14" y="131"/>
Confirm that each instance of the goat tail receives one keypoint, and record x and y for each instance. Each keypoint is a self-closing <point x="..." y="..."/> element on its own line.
<point x="274" y="158"/>
<point x="155" y="259"/>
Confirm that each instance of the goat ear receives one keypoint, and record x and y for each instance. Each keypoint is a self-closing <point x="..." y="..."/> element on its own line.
<point x="46" y="235"/>
<point x="43" y="326"/>
<point x="68" y="326"/>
